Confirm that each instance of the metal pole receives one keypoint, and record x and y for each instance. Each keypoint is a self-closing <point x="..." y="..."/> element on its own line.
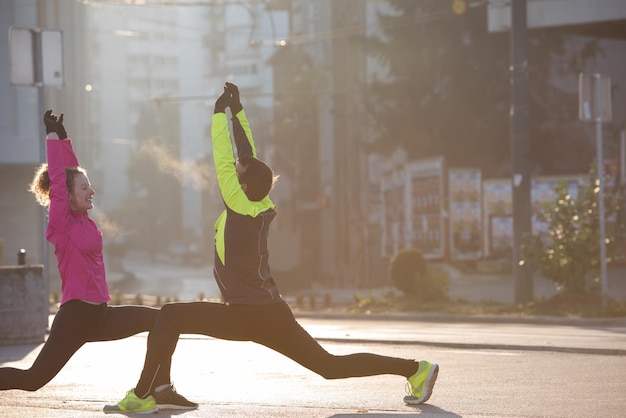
<point x="42" y="158"/>
<point x="623" y="158"/>
<point x="601" y="216"/>
<point x="520" y="149"/>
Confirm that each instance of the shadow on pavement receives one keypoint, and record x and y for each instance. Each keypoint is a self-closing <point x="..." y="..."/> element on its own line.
<point x="419" y="409"/>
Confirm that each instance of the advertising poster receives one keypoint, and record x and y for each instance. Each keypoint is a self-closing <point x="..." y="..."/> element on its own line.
<point x="392" y="189"/>
<point x="498" y="209"/>
<point x="425" y="220"/>
<point x="465" y="201"/>
<point x="500" y="234"/>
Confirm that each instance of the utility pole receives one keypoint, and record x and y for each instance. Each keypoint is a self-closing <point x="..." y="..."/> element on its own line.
<point x="520" y="149"/>
<point x="348" y="173"/>
<point x="343" y="159"/>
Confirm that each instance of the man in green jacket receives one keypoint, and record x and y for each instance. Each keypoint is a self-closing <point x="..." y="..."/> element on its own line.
<point x="253" y="308"/>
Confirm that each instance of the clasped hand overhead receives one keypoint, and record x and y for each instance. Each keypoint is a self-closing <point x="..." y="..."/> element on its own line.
<point x="229" y="98"/>
<point x="54" y="123"/>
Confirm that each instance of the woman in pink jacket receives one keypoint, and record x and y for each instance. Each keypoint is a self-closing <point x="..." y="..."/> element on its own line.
<point x="63" y="187"/>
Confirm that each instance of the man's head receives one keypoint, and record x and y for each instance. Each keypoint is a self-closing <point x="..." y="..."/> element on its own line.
<point x="256" y="178"/>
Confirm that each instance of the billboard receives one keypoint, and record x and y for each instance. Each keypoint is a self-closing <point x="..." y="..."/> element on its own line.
<point x="498" y="209"/>
<point x="425" y="187"/>
<point x="392" y="189"/>
<point x="465" y="212"/>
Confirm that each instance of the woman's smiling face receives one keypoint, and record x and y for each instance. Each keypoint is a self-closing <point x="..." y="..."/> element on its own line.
<point x="81" y="196"/>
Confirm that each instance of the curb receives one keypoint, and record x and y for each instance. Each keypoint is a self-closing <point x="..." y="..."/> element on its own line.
<point x="450" y="318"/>
<point x="475" y="346"/>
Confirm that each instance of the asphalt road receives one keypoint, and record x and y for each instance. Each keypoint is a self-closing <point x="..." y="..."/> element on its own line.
<point x="491" y="370"/>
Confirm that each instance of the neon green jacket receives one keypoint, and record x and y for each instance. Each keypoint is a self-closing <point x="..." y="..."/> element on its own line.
<point x="241" y="269"/>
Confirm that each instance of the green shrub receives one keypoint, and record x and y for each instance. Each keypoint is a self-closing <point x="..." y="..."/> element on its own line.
<point x="409" y="273"/>
<point x="569" y="253"/>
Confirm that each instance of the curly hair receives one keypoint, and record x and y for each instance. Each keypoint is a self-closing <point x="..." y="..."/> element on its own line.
<point x="40" y="186"/>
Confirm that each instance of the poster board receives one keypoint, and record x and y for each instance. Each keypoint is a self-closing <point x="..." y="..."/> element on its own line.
<point x="465" y="213"/>
<point x="425" y="215"/>
<point x="498" y="209"/>
<point x="392" y="190"/>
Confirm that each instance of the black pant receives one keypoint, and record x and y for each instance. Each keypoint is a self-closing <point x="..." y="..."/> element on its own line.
<point x="273" y="326"/>
<point x="76" y="323"/>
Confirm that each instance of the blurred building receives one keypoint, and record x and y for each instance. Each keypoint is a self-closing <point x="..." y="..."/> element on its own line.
<point x="21" y="127"/>
<point x="128" y="66"/>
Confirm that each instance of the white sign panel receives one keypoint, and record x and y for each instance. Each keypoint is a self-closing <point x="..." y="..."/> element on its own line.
<point x="52" y="58"/>
<point x="594" y="97"/>
<point x="22" y="57"/>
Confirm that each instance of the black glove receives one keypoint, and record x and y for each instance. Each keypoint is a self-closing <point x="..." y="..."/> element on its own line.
<point x="54" y="124"/>
<point x="235" y="102"/>
<point x="222" y="102"/>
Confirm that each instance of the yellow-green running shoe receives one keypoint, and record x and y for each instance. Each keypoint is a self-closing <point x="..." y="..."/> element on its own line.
<point x="420" y="385"/>
<point x="133" y="403"/>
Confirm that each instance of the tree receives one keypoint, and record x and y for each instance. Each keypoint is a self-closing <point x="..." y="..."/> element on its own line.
<point x="558" y="144"/>
<point x="569" y="252"/>
<point x="447" y="89"/>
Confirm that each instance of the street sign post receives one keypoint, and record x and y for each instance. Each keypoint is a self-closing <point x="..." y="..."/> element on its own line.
<point x="622" y="158"/>
<point x="594" y="93"/>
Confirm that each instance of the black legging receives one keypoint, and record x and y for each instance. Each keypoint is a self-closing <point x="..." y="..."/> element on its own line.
<point x="76" y="323"/>
<point x="273" y="326"/>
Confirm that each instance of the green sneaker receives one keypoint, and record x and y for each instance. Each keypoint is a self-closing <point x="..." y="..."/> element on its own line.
<point x="420" y="385"/>
<point x="132" y="403"/>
